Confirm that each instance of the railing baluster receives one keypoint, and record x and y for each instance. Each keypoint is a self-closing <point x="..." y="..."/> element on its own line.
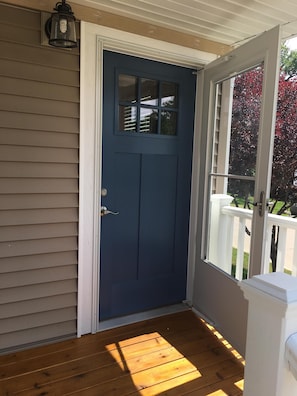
<point x="224" y="221"/>
<point x="240" y="248"/>
<point x="294" y="263"/>
<point x="266" y="267"/>
<point x="281" y="249"/>
<point x="229" y="241"/>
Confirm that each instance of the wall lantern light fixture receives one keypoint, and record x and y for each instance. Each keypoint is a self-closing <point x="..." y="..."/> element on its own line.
<point x="60" y="27"/>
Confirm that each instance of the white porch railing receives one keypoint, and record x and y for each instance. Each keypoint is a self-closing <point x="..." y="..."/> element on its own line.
<point x="229" y="228"/>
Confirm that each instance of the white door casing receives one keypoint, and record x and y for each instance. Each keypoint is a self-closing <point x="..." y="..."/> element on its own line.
<point x="94" y="39"/>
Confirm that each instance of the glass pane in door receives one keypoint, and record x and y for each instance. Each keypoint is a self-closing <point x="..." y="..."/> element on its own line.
<point x="233" y="170"/>
<point x="281" y="226"/>
<point x="147" y="106"/>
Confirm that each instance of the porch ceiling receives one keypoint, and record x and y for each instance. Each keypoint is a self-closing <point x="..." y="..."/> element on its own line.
<point x="229" y="22"/>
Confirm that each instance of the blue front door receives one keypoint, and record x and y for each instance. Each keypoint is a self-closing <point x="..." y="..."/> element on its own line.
<point x="148" y="119"/>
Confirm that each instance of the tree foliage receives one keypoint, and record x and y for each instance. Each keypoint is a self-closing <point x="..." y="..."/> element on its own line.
<point x="288" y="62"/>
<point x="247" y="96"/>
<point x="285" y="143"/>
<point x="247" y="99"/>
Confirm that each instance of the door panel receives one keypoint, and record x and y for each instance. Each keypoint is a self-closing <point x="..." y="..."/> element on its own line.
<point x="148" y="120"/>
<point x="216" y="291"/>
<point x="159" y="176"/>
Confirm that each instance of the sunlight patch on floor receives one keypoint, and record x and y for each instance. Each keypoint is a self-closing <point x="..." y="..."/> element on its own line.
<point x="155" y="365"/>
<point x="150" y="359"/>
<point x="240" y="384"/>
<point x="224" y="342"/>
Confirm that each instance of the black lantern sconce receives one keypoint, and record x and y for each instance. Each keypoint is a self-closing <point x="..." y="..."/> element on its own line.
<point x="60" y="27"/>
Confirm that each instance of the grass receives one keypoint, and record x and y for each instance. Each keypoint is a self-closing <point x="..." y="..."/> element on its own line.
<point x="245" y="263"/>
<point x="241" y="203"/>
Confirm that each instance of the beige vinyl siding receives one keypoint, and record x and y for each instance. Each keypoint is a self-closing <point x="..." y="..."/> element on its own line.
<point x="39" y="138"/>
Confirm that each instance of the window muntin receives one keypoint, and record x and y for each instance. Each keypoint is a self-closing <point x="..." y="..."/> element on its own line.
<point x="147" y="106"/>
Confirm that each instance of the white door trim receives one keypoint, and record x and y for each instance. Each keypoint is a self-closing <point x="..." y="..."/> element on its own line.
<point x="94" y="39"/>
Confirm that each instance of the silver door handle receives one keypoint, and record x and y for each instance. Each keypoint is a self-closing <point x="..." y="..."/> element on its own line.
<point x="104" y="211"/>
<point x="262" y="204"/>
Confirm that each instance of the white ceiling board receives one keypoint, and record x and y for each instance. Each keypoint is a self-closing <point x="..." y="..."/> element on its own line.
<point x="225" y="21"/>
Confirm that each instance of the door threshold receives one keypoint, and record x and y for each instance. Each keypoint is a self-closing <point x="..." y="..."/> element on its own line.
<point x="138" y="317"/>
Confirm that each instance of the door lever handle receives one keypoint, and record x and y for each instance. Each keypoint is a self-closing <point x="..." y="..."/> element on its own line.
<point x="104" y="211"/>
<point x="262" y="204"/>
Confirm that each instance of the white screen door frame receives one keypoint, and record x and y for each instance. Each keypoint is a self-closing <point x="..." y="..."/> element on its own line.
<point x="215" y="294"/>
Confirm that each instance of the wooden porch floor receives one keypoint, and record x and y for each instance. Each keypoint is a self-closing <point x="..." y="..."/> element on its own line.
<point x="173" y="355"/>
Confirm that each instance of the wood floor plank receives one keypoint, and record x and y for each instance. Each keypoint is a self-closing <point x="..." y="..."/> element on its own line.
<point x="130" y="358"/>
<point x="141" y="380"/>
<point x="93" y="345"/>
<point x="172" y="325"/>
<point x="175" y="384"/>
<point x="182" y="385"/>
<point x="144" y="352"/>
<point x="161" y="373"/>
<point x="106" y="337"/>
<point x="55" y="358"/>
<point x="172" y="355"/>
<point x="222" y="388"/>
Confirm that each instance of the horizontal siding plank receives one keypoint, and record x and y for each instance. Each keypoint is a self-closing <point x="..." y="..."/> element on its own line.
<point x="38" y="154"/>
<point x="49" y="245"/>
<point x="38" y="122"/>
<point x="27" y="232"/>
<point x="31" y="105"/>
<point x="25" y="138"/>
<point x="21" y="17"/>
<point x="38" y="201"/>
<point x="37" y="291"/>
<point x="40" y="305"/>
<point x="27" y="185"/>
<point x="25" y="278"/>
<point x="42" y="334"/>
<point x="37" y="89"/>
<point x="68" y="60"/>
<point x="37" y="320"/>
<point x="38" y="73"/>
<point x="20" y="34"/>
<point x="31" y="262"/>
<point x="39" y="157"/>
<point x="45" y="170"/>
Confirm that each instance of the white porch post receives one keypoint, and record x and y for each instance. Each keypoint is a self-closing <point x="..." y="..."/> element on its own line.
<point x="219" y="233"/>
<point x="272" y="319"/>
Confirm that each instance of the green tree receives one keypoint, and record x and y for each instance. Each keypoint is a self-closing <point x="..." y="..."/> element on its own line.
<point x="288" y="62"/>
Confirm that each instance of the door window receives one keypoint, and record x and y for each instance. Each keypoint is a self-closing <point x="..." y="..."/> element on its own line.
<point x="147" y="106"/>
<point x="233" y="170"/>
